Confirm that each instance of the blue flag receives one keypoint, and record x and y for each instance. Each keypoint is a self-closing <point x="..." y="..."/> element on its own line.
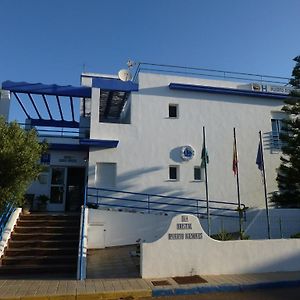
<point x="259" y="157"/>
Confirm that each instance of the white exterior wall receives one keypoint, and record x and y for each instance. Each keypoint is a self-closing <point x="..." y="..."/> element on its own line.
<point x="152" y="141"/>
<point x="4" y="103"/>
<point x="182" y="253"/>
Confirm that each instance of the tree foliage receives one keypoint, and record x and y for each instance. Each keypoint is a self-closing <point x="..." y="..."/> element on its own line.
<point x="288" y="176"/>
<point x="20" y="153"/>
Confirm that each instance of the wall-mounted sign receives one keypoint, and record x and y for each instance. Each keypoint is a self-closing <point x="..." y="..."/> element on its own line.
<point x="271" y="88"/>
<point x="187" y="153"/>
<point x="45" y="158"/>
<point x="184" y="231"/>
<point x="68" y="159"/>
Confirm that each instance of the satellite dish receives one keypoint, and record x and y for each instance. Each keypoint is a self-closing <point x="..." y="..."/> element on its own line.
<point x="124" y="75"/>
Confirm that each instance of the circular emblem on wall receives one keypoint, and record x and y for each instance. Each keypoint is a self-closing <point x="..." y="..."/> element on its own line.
<point x="187" y="152"/>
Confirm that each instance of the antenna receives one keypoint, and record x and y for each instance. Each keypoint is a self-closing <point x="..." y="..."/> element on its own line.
<point x="124" y="75"/>
<point x="130" y="64"/>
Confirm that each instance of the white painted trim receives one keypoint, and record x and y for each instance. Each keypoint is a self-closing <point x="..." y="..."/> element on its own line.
<point x="84" y="241"/>
<point x="9" y="229"/>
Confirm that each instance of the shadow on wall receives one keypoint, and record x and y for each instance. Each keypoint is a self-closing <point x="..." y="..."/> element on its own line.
<point x="167" y="205"/>
<point x="175" y="154"/>
<point x="288" y="262"/>
<point x="125" y="178"/>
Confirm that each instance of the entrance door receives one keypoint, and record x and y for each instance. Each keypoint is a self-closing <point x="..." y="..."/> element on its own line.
<point x="75" y="189"/>
<point x="67" y="189"/>
<point x="58" y="190"/>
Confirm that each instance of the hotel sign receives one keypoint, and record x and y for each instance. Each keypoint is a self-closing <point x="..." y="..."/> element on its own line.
<point x="278" y="89"/>
<point x="184" y="231"/>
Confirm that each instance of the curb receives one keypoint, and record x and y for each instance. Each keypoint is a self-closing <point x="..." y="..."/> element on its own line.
<point x="224" y="288"/>
<point x="88" y="296"/>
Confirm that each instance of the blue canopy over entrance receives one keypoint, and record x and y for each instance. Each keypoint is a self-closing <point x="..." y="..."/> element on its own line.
<point x="45" y="106"/>
<point x="34" y="112"/>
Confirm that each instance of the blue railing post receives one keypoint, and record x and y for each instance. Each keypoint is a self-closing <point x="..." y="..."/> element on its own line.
<point x="9" y="208"/>
<point x="148" y="204"/>
<point x="82" y="235"/>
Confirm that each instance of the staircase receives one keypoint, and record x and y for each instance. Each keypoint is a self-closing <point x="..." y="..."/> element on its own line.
<point x="42" y="244"/>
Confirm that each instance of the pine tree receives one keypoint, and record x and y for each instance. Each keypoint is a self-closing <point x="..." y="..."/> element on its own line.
<point x="288" y="176"/>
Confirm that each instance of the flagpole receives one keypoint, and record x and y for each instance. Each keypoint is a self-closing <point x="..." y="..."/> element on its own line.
<point x="206" y="182"/>
<point x="238" y="185"/>
<point x="265" y="184"/>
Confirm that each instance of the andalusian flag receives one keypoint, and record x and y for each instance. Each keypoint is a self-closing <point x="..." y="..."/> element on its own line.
<point x="234" y="160"/>
<point x="204" y="157"/>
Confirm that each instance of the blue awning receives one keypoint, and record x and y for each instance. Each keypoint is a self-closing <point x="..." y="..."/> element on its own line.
<point x="84" y="145"/>
<point x="99" y="143"/>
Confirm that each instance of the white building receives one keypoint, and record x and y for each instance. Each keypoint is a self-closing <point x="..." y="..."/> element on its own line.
<point x="145" y="136"/>
<point x="168" y="113"/>
<point x="4" y="103"/>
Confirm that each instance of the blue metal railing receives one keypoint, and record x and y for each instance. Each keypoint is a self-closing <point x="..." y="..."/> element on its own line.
<point x="75" y="133"/>
<point x="9" y="208"/>
<point x="151" y="203"/>
<point x="207" y="73"/>
<point x="81" y="243"/>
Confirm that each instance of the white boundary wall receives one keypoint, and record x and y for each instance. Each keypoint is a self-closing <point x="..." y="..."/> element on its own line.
<point x="114" y="228"/>
<point x="284" y="222"/>
<point x="182" y="252"/>
<point x="9" y="227"/>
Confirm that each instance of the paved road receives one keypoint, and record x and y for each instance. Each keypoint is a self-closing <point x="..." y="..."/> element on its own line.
<point x="260" y="294"/>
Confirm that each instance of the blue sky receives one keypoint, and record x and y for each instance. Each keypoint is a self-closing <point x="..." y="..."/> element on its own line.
<point x="50" y="41"/>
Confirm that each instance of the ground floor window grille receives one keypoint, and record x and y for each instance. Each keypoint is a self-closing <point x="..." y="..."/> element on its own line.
<point x="276" y="129"/>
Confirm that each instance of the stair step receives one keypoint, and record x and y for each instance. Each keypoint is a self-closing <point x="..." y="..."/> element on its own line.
<point x="46" y="229"/>
<point x="49" y="217"/>
<point x="48" y="223"/>
<point x="13" y="252"/>
<point x="43" y="243"/>
<point x="44" y="236"/>
<point x="39" y="260"/>
<point x="45" y="269"/>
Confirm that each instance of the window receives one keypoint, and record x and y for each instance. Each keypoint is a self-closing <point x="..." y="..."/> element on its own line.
<point x="276" y="129"/>
<point x="197" y="173"/>
<point x="106" y="174"/>
<point x="173" y="111"/>
<point x="173" y="172"/>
